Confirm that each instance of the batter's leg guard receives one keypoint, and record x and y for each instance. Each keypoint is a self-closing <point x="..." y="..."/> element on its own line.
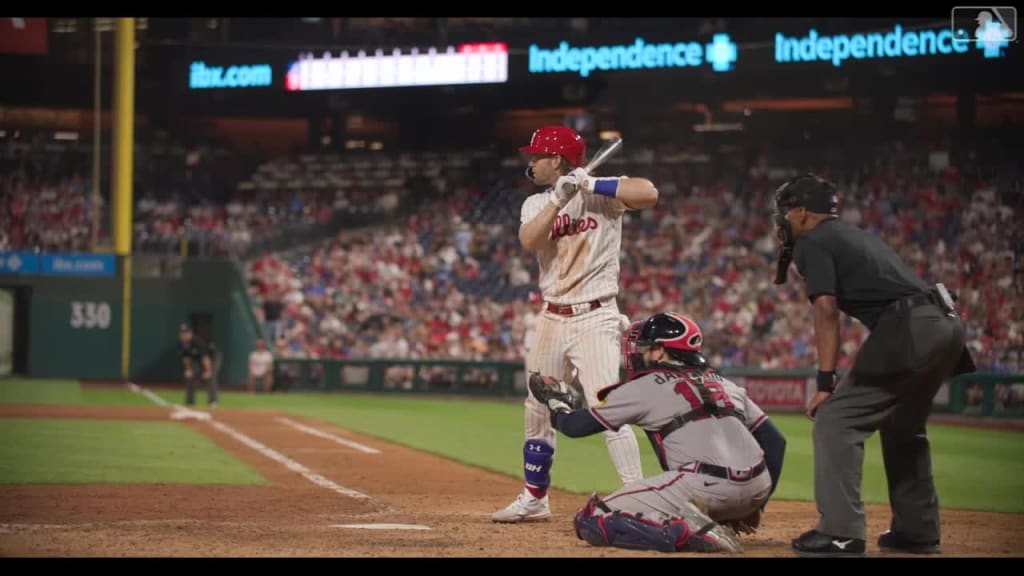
<point x="599" y="527"/>
<point x="538" y="457"/>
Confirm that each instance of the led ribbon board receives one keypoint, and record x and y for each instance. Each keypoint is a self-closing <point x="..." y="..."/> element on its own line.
<point x="250" y="76"/>
<point x="721" y="54"/>
<point x="469" y="64"/>
<point x="893" y="44"/>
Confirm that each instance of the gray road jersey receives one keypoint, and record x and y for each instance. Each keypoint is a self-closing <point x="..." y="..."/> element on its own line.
<point x="654" y="399"/>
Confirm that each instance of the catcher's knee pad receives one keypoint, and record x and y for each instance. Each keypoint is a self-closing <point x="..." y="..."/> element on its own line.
<point x="538" y="456"/>
<point x="627" y="530"/>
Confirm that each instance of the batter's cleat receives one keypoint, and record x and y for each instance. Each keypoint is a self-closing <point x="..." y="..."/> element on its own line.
<point x="890" y="541"/>
<point x="526" y="508"/>
<point x="709" y="530"/>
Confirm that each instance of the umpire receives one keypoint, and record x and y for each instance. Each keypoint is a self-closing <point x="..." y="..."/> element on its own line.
<point x="916" y="342"/>
<point x="199" y="360"/>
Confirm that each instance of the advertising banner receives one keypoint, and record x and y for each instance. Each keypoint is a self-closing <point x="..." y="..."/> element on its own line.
<point x="719" y="54"/>
<point x="777" y="392"/>
<point x="23" y="36"/>
<point x="78" y="264"/>
<point x="19" y="263"/>
<point x="469" y="64"/>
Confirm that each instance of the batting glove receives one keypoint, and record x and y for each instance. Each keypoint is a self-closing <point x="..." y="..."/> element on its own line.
<point x="584" y="179"/>
<point x="565" y="188"/>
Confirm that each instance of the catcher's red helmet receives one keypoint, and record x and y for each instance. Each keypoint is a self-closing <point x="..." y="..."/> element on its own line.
<point x="680" y="335"/>
<point x="560" y="140"/>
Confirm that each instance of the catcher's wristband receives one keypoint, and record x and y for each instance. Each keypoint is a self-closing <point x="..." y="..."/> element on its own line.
<point x="826" y="381"/>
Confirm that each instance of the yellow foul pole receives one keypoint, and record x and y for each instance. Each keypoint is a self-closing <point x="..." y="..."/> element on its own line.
<point x="124" y="132"/>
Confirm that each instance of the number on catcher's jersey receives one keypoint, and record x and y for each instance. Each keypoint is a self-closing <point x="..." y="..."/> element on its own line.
<point x="700" y="391"/>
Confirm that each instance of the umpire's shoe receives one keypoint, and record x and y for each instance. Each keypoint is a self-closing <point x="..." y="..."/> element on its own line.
<point x="814" y="544"/>
<point x="891" y="541"/>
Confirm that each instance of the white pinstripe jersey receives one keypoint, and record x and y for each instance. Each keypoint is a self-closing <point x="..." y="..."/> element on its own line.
<point x="656" y="398"/>
<point x="582" y="264"/>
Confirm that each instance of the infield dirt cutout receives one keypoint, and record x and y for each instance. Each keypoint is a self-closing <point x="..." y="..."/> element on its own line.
<point x="295" y="517"/>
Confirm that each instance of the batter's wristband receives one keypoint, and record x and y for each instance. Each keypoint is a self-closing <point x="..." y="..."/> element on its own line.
<point x="606" y="187"/>
<point x="826" y="381"/>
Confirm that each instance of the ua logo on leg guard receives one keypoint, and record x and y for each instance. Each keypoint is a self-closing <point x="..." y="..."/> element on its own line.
<point x="537" y="459"/>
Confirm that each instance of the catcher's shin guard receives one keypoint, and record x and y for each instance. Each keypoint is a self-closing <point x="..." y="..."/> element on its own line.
<point x="599" y="526"/>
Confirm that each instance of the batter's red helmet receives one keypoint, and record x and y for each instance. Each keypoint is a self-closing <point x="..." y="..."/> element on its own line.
<point x="560" y="140"/>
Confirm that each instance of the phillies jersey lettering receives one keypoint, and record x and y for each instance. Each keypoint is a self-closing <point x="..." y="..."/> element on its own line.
<point x="566" y="226"/>
<point x="581" y="263"/>
<point x="654" y="399"/>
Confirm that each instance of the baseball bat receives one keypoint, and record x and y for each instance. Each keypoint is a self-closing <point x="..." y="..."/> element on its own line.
<point x="607" y="150"/>
<point x="610" y="148"/>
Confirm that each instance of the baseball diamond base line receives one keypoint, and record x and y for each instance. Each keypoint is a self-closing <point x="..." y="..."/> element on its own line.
<point x="294" y="517"/>
<point x="182" y="413"/>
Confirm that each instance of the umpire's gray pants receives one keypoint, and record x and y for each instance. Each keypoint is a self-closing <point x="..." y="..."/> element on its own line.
<point x="890" y="388"/>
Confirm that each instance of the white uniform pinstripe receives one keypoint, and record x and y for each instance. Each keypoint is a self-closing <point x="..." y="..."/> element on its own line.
<point x="580" y="266"/>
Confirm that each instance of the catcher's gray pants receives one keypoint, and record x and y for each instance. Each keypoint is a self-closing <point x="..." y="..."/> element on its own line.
<point x="661" y="497"/>
<point x="890" y="388"/>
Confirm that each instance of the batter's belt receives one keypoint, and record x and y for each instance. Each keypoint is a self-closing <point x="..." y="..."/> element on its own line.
<point x="724" y="472"/>
<point x="573" y="309"/>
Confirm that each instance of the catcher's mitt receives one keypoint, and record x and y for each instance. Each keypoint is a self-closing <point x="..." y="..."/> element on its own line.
<point x="555" y="394"/>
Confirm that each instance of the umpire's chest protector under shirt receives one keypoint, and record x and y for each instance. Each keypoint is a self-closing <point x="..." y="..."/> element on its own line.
<point x="856" y="266"/>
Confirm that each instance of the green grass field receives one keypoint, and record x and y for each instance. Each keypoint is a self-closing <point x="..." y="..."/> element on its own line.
<point x="64" y="392"/>
<point x="68" y="451"/>
<point x="974" y="468"/>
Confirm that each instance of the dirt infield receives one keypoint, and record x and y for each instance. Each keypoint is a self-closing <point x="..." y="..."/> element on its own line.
<point x="297" y="517"/>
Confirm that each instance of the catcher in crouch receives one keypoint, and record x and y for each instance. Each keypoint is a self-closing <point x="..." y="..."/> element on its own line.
<point x="720" y="454"/>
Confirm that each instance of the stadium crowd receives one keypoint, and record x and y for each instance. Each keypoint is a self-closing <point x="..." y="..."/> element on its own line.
<point x="448" y="279"/>
<point x="451" y="281"/>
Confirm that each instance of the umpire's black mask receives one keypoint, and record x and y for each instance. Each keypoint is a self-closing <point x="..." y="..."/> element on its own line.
<point x="809" y="191"/>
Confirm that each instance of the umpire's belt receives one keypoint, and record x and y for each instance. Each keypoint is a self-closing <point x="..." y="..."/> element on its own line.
<point x="724" y="472"/>
<point x="913" y="301"/>
<point x="573" y="309"/>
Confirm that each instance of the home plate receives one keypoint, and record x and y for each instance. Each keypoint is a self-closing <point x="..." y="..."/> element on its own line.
<point x="383" y="526"/>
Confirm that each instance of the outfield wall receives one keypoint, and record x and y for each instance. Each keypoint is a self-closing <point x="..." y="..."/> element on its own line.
<point x="980" y="394"/>
<point x="75" y="324"/>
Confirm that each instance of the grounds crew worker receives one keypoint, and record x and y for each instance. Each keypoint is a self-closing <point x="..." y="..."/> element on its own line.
<point x="199" y="361"/>
<point x="916" y="342"/>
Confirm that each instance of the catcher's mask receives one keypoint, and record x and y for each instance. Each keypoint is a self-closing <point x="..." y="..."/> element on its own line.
<point x="809" y="191"/>
<point x="680" y="336"/>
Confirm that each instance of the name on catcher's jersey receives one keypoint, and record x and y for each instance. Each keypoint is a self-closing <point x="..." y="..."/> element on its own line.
<point x="581" y="263"/>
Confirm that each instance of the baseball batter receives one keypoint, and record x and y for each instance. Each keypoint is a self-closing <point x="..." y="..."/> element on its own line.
<point x="720" y="454"/>
<point x="575" y="226"/>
